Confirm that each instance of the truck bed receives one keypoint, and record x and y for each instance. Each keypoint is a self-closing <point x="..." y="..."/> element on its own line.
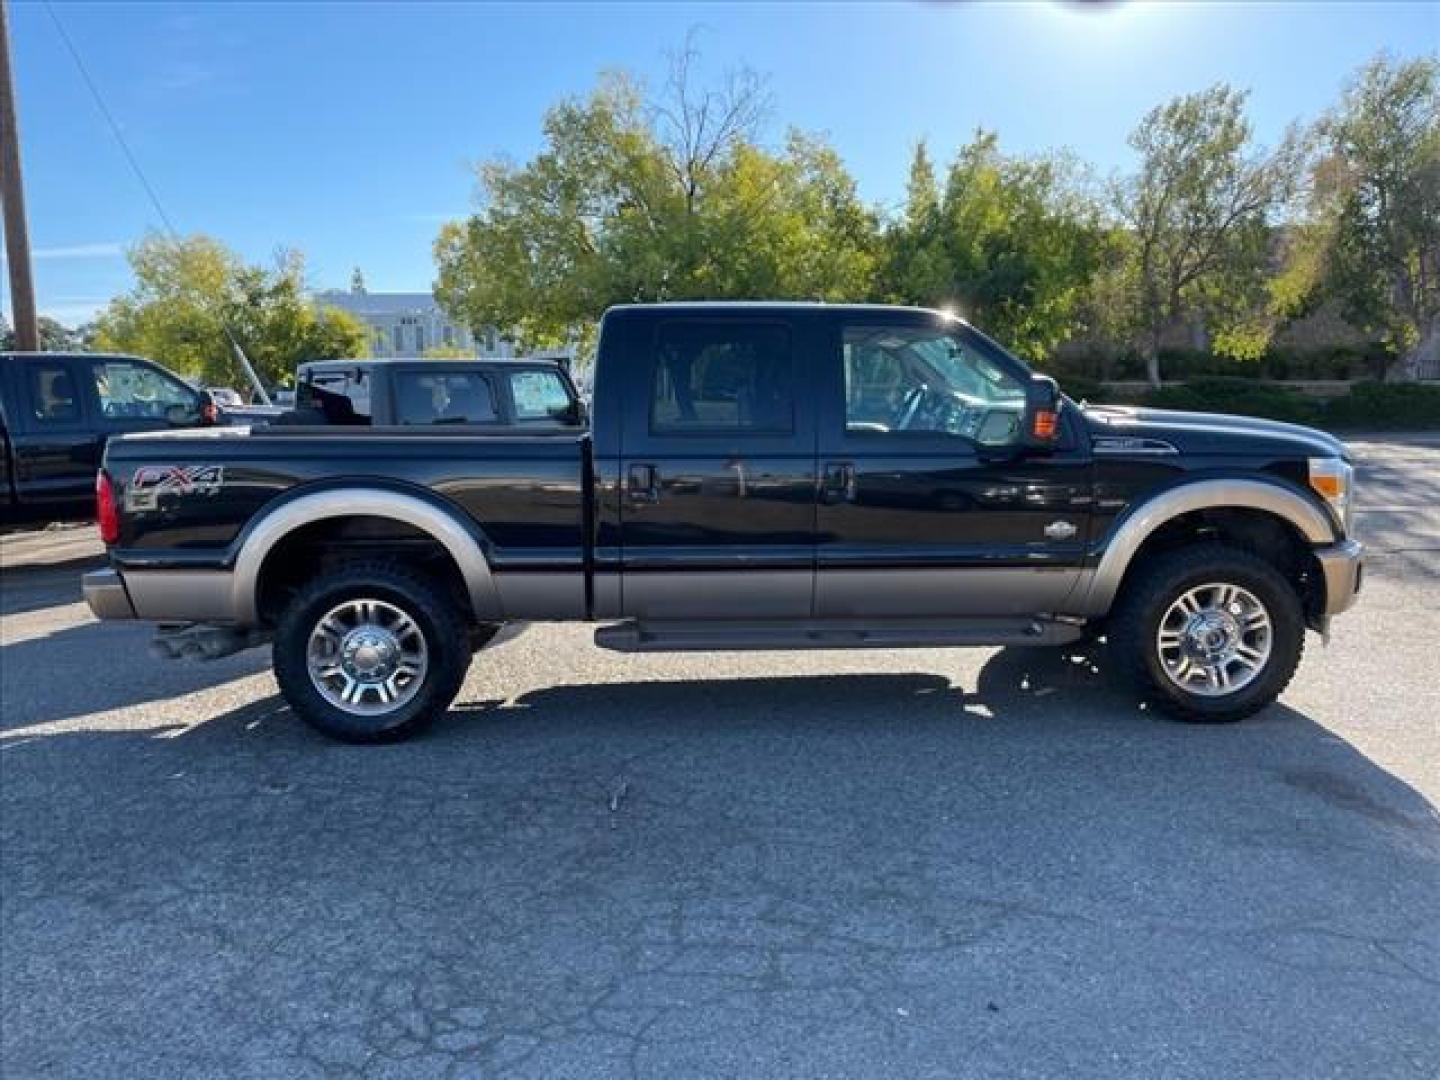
<point x="186" y="498"/>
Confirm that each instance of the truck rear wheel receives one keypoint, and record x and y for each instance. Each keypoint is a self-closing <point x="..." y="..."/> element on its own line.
<point x="1213" y="633"/>
<point x="370" y="652"/>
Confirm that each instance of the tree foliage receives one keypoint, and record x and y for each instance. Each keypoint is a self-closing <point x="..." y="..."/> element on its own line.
<point x="54" y="336"/>
<point x="636" y="198"/>
<point x="1011" y="241"/>
<point x="189" y="292"/>
<point x="1198" y="217"/>
<point x="1371" y="239"/>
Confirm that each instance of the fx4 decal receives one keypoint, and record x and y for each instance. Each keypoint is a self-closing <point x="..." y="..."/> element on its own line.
<point x="149" y="482"/>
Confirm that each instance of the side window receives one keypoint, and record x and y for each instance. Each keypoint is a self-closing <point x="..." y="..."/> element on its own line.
<point x="443" y="398"/>
<point x="928" y="381"/>
<point x="128" y="391"/>
<point x="52" y="394"/>
<point x="539" y="395"/>
<point x="723" y="377"/>
<point x="343" y="396"/>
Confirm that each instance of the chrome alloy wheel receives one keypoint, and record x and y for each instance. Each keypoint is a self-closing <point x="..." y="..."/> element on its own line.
<point x="367" y="657"/>
<point x="1215" y="639"/>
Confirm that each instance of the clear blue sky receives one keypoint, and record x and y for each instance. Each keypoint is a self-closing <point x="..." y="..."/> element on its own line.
<point x="349" y="130"/>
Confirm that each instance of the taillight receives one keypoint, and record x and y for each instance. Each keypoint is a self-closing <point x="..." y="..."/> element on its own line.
<point x="106" y="514"/>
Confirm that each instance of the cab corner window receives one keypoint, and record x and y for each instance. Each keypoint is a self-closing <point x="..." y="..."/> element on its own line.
<point x="443" y="398"/>
<point x="52" y="395"/>
<point x="129" y="391"/>
<point x="723" y="377"/>
<point x="929" y="381"/>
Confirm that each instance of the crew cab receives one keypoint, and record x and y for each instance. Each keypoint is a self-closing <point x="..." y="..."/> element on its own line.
<point x="523" y="394"/>
<point x="57" y="410"/>
<point x="756" y="476"/>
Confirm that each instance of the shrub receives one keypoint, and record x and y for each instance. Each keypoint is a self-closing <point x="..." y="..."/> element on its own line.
<point x="1082" y="387"/>
<point x="1243" y="397"/>
<point x="1385" y="406"/>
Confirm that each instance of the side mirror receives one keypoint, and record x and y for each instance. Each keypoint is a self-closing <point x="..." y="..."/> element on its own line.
<point x="579" y="414"/>
<point x="1042" y="413"/>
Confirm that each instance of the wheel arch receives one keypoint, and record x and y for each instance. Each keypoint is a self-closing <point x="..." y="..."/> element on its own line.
<point x="460" y="541"/>
<point x="1303" y="524"/>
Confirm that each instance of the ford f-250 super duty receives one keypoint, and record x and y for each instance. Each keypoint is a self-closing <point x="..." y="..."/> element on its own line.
<point x="757" y="476"/>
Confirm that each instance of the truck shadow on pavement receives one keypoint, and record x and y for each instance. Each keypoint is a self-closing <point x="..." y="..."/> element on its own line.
<point x="93" y="667"/>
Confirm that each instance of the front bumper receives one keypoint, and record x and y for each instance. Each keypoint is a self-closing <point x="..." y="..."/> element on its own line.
<point x="1342" y="566"/>
<point x="106" y="595"/>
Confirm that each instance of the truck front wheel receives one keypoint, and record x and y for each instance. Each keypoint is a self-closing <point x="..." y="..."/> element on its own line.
<point x="1212" y="632"/>
<point x="370" y="652"/>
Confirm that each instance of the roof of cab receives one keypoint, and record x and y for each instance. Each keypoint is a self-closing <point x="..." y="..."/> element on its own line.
<point x="773" y="305"/>
<point x="431" y="361"/>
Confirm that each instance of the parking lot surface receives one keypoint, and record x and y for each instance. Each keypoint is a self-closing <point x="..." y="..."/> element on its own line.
<point x="910" y="864"/>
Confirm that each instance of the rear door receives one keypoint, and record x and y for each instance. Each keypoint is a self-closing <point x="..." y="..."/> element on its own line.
<point x="717" y="467"/>
<point x="55" y="445"/>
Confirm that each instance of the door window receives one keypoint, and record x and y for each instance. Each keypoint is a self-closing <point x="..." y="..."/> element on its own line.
<point x="52" y="394"/>
<point x="129" y="391"/>
<point x="540" y="395"/>
<point x="723" y="377"/>
<point x="928" y="381"/>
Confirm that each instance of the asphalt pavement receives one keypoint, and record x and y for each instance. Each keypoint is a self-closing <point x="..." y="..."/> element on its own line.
<point x="968" y="863"/>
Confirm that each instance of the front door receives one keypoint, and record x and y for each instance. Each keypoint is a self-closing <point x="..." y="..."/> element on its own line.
<point x="927" y="506"/>
<point x="717" y="470"/>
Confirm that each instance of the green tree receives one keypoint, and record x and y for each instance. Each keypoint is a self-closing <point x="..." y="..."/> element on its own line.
<point x="189" y="292"/>
<point x="1371" y="239"/>
<point x="1011" y="241"/>
<point x="635" y="198"/>
<point x="54" y="336"/>
<point x="1199" y="214"/>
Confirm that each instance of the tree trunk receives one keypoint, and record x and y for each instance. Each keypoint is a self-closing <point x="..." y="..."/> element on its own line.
<point x="1423" y="361"/>
<point x="1152" y="358"/>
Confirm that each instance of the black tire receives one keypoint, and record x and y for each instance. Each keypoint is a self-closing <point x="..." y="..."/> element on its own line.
<point x="1134" y="624"/>
<point x="435" y="616"/>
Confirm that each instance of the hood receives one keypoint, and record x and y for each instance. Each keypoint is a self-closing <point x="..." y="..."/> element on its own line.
<point x="1211" y="433"/>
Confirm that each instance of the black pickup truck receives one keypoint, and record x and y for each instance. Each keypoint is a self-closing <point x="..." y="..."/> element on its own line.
<point x="757" y="476"/>
<point x="57" y="410"/>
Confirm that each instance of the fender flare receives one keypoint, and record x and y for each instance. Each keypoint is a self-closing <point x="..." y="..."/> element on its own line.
<point x="331" y="503"/>
<point x="1137" y="526"/>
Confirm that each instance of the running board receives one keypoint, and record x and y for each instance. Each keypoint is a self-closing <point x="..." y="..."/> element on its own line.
<point x="723" y="636"/>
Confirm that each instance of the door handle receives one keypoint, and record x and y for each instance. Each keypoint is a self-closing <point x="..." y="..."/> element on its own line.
<point x="837" y="482"/>
<point x="642" y="484"/>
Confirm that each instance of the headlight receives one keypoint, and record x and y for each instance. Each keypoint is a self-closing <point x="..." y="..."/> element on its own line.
<point x="1334" y="481"/>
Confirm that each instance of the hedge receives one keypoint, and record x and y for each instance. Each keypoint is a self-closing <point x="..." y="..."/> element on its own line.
<point x="1315" y="363"/>
<point x="1368" y="406"/>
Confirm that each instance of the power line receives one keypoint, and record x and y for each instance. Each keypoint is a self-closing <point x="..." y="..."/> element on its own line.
<point x="110" y="120"/>
<point x="140" y="175"/>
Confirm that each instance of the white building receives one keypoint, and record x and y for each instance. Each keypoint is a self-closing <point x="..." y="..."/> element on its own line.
<point x="407" y="324"/>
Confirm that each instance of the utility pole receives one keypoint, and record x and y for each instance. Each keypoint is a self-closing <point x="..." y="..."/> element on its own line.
<point x="12" y="194"/>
